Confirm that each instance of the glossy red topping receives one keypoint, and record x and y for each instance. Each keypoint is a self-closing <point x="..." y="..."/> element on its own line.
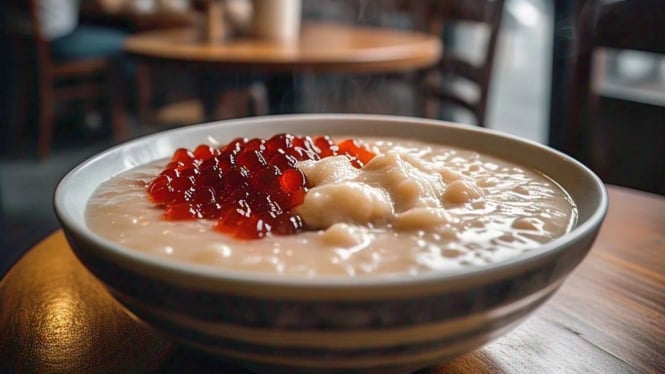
<point x="250" y="186"/>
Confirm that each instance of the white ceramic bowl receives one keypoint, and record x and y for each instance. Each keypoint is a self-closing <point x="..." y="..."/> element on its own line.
<point x="397" y="324"/>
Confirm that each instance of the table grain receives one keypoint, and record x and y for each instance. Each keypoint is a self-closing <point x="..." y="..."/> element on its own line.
<point x="608" y="317"/>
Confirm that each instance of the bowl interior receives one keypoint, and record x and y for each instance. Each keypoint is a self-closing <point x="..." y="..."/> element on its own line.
<point x="583" y="186"/>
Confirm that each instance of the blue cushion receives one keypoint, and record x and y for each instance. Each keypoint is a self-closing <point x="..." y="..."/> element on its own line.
<point x="88" y="41"/>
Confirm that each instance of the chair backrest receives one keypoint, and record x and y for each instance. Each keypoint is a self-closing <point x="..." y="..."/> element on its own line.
<point x="24" y="18"/>
<point x="621" y="139"/>
<point x="25" y="32"/>
<point x="444" y="17"/>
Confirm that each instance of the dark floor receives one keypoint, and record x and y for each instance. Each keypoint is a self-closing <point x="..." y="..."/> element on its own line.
<point x="27" y="186"/>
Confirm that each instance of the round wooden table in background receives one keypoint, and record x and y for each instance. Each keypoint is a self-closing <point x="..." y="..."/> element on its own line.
<point x="322" y="48"/>
<point x="608" y="317"/>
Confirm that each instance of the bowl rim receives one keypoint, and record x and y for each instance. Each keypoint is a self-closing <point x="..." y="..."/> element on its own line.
<point x="495" y="270"/>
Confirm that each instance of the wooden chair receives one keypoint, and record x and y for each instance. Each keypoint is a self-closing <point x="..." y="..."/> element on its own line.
<point x="437" y="84"/>
<point x="60" y="81"/>
<point x="622" y="139"/>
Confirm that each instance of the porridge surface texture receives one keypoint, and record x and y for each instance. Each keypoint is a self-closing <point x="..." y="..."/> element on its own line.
<point x="416" y="207"/>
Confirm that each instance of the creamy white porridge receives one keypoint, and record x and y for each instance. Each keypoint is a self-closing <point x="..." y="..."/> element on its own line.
<point x="414" y="208"/>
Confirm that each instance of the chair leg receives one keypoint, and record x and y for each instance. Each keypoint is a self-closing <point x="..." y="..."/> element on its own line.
<point x="21" y="95"/>
<point x="46" y="119"/>
<point x="209" y="95"/>
<point x="258" y="99"/>
<point x="144" y="89"/>
<point x="118" y="112"/>
<point x="599" y="148"/>
<point x="432" y="108"/>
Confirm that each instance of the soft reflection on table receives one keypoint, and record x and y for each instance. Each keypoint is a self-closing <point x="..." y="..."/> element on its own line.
<point x="607" y="318"/>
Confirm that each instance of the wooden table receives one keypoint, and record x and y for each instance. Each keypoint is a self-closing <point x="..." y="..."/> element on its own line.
<point x="322" y="47"/>
<point x="609" y="316"/>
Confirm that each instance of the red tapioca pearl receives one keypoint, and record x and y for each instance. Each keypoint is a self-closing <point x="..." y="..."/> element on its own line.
<point x="182" y="184"/>
<point x="287" y="224"/>
<point x="192" y="174"/>
<point x="181" y="211"/>
<point x="160" y="180"/>
<point x="252" y="228"/>
<point x="283" y="161"/>
<point x="279" y="141"/>
<point x="179" y="165"/>
<point x="226" y="160"/>
<point x="159" y="191"/>
<point x="347" y="147"/>
<point x="292" y="180"/>
<point x="170" y="174"/>
<point x="251" y="159"/>
<point x="326" y="146"/>
<point x="157" y="185"/>
<point x="263" y="202"/>
<point x="211" y="210"/>
<point x="288" y="200"/>
<point x="283" y="199"/>
<point x="235" y="145"/>
<point x="309" y="154"/>
<point x="297" y="153"/>
<point x="298" y="141"/>
<point x="208" y="163"/>
<point x="266" y="179"/>
<point x="352" y="148"/>
<point x="229" y="221"/>
<point x="187" y="194"/>
<point x="182" y="155"/>
<point x="236" y="177"/>
<point x="297" y="197"/>
<point x="210" y="177"/>
<point x="182" y="167"/>
<point x="255" y="144"/>
<point x="311" y="146"/>
<point x="365" y="155"/>
<point x="230" y="198"/>
<point x="357" y="163"/>
<point x="204" y="152"/>
<point x="202" y="195"/>
<point x="243" y="207"/>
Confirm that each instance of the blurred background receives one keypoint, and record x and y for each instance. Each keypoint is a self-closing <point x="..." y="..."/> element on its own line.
<point x="586" y="77"/>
